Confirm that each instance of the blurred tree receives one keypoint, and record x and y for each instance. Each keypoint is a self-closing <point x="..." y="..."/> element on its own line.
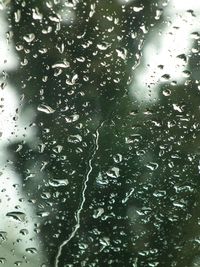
<point x="76" y="66"/>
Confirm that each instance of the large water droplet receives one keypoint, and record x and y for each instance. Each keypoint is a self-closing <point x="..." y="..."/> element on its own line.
<point x="122" y="53"/>
<point x="72" y="118"/>
<point x="152" y="166"/>
<point x="103" y="46"/>
<point x="98" y="213"/>
<point x="36" y="14"/>
<point x="31" y="250"/>
<point x="63" y="64"/>
<point x="17" y="215"/>
<point x="74" y="138"/>
<point x="29" y="37"/>
<point x="58" y="182"/>
<point x="113" y="172"/>
<point x="17" y="15"/>
<point x="46" y="109"/>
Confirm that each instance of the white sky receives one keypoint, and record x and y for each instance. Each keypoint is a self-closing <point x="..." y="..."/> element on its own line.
<point x="164" y="48"/>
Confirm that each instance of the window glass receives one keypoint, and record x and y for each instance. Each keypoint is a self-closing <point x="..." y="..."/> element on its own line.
<point x="99" y="127"/>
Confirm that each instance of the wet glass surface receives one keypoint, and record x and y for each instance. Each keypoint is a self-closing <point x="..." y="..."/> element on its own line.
<point x="99" y="133"/>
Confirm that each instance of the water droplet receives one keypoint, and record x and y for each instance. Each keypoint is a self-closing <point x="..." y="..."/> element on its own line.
<point x="92" y="11"/>
<point x="43" y="214"/>
<point x="58" y="149"/>
<point x="17" y="15"/>
<point x="36" y="14"/>
<point x="183" y="58"/>
<point x="103" y="46"/>
<point x="29" y="37"/>
<point x="2" y="260"/>
<point x="65" y="64"/>
<point x="128" y="195"/>
<point x="58" y="182"/>
<point x="24" y="231"/>
<point x="177" y="108"/>
<point x="167" y="92"/>
<point x="17" y="215"/>
<point x="82" y="246"/>
<point x="195" y="35"/>
<point x="186" y="73"/>
<point x="74" y="138"/>
<point x="31" y="250"/>
<point x="152" y="166"/>
<point x="178" y="204"/>
<point x="18" y="263"/>
<point x="72" y="118"/>
<point x="122" y="53"/>
<point x="158" y="13"/>
<point x="133" y="35"/>
<point x="98" y="213"/>
<point x="46" y="109"/>
<point x="165" y="77"/>
<point x="159" y="193"/>
<point x="117" y="158"/>
<point x="3" y="236"/>
<point x="100" y="180"/>
<point x="73" y="80"/>
<point x="138" y="8"/>
<point x="105" y="241"/>
<point x="113" y="172"/>
<point x="41" y="148"/>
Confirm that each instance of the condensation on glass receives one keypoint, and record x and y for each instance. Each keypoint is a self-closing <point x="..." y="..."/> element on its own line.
<point x="99" y="133"/>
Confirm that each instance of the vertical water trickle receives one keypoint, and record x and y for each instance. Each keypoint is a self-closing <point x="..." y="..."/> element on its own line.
<point x="83" y="197"/>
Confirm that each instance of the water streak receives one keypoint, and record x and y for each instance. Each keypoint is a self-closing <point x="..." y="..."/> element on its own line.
<point x="83" y="198"/>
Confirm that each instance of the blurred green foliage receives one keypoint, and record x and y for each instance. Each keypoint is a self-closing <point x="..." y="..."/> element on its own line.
<point x="150" y="208"/>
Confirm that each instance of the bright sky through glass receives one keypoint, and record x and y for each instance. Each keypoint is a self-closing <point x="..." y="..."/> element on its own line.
<point x="173" y="40"/>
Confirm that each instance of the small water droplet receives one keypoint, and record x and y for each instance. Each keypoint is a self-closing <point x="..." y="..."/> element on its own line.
<point x="159" y="193"/>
